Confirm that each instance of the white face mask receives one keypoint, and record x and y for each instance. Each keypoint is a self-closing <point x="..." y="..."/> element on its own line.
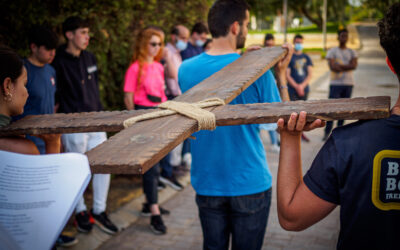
<point x="199" y="43"/>
<point x="181" y="45"/>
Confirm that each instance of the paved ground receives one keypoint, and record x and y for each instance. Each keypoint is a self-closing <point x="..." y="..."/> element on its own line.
<point x="184" y="232"/>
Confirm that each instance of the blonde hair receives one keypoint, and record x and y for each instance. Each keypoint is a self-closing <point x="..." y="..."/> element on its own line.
<point x="141" y="50"/>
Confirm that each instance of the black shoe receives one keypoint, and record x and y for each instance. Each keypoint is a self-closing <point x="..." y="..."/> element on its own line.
<point x="66" y="241"/>
<point x="172" y="182"/>
<point x="160" y="186"/>
<point x="157" y="225"/>
<point x="84" y="222"/>
<point x="146" y="210"/>
<point x="102" y="221"/>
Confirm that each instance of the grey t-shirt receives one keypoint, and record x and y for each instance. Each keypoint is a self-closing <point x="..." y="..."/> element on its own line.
<point x="342" y="57"/>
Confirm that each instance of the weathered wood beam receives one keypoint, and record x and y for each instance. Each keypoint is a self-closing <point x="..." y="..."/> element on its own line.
<point x="136" y="149"/>
<point x="332" y="109"/>
<point x="361" y="108"/>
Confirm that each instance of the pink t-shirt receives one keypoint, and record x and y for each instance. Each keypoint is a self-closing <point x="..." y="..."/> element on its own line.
<point x="152" y="83"/>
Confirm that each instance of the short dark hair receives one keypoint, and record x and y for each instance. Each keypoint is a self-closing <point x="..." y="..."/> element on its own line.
<point x="73" y="23"/>
<point x="389" y="35"/>
<point x="268" y="36"/>
<point x="175" y="30"/>
<point x="298" y="36"/>
<point x="10" y="64"/>
<point x="341" y="31"/>
<point x="223" y="13"/>
<point x="207" y="42"/>
<point x="43" y="36"/>
<point x="199" y="28"/>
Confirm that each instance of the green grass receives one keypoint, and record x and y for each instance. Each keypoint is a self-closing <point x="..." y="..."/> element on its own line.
<point x="330" y="28"/>
<point x="315" y="50"/>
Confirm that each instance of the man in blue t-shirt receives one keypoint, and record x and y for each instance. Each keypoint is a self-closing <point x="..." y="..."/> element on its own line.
<point x="41" y="83"/>
<point x="229" y="169"/>
<point x="298" y="74"/>
<point x="299" y="71"/>
<point x="358" y="168"/>
<point x="198" y="37"/>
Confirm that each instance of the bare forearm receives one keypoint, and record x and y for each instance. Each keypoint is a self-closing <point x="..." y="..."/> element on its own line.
<point x="306" y="81"/>
<point x="281" y="82"/>
<point x="291" y="81"/>
<point x="289" y="172"/>
<point x="53" y="146"/>
<point x="128" y="100"/>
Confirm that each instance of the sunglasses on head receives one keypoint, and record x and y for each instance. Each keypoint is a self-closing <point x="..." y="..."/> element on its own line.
<point x="156" y="44"/>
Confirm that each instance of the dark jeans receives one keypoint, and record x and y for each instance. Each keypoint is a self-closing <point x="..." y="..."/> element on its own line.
<point x="166" y="167"/>
<point x="150" y="184"/>
<point x="295" y="97"/>
<point x="150" y="178"/>
<point x="335" y="92"/>
<point x="243" y="217"/>
<point x="186" y="147"/>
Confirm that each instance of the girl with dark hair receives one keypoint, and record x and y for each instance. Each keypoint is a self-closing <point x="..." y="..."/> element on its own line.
<point x="144" y="89"/>
<point x="13" y="96"/>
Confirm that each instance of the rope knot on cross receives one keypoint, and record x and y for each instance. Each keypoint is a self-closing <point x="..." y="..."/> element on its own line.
<point x="205" y="119"/>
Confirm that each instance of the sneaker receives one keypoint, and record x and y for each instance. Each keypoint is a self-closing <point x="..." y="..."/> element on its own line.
<point x="146" y="210"/>
<point x="102" y="221"/>
<point x="187" y="160"/>
<point x="172" y="182"/>
<point x="66" y="241"/>
<point x="275" y="148"/>
<point x="177" y="171"/>
<point x="84" y="222"/>
<point x="160" y="186"/>
<point x="157" y="225"/>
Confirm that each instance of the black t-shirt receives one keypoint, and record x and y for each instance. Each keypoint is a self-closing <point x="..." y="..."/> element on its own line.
<point x="77" y="82"/>
<point x="358" y="168"/>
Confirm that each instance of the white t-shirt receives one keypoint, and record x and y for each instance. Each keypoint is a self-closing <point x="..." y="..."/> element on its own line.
<point x="341" y="57"/>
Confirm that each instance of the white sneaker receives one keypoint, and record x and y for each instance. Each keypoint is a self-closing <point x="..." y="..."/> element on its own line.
<point x="187" y="160"/>
<point x="275" y="148"/>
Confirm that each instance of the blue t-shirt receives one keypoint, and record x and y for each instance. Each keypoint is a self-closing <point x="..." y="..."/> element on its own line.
<point x="41" y="88"/>
<point x="298" y="69"/>
<point x="191" y="51"/>
<point x="231" y="160"/>
<point x="358" y="168"/>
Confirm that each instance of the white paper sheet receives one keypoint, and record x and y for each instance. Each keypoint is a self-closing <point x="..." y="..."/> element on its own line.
<point x="38" y="195"/>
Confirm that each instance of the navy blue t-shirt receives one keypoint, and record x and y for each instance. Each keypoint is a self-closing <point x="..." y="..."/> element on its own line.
<point x="191" y="51"/>
<point x="298" y="69"/>
<point x="358" y="168"/>
<point x="41" y="88"/>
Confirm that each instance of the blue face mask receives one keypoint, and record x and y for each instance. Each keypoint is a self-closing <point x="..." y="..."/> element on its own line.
<point x="199" y="43"/>
<point x="298" y="46"/>
<point x="181" y="45"/>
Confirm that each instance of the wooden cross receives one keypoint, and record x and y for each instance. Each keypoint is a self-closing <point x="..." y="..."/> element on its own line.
<point x="136" y="149"/>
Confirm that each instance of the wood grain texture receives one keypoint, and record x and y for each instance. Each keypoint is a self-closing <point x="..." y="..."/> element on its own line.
<point x="136" y="149"/>
<point x="360" y="108"/>
<point x="148" y="142"/>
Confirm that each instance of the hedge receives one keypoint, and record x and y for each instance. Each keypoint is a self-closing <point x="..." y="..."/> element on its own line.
<point x="113" y="27"/>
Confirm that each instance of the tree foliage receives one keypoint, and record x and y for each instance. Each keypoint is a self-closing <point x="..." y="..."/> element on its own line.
<point x="114" y="25"/>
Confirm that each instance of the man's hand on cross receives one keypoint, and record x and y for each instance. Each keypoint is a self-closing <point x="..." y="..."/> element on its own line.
<point x="297" y="124"/>
<point x="283" y="64"/>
